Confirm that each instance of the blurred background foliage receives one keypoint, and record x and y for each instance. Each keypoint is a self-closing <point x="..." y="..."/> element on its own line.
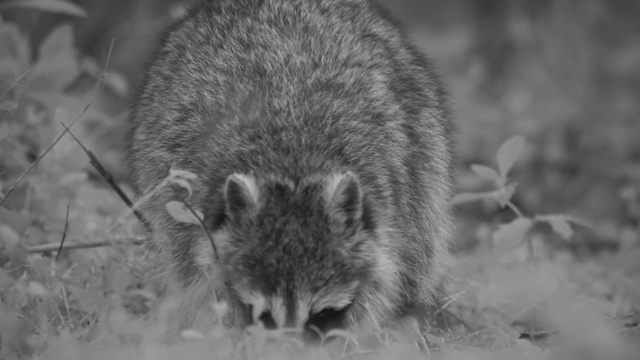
<point x="565" y="74"/>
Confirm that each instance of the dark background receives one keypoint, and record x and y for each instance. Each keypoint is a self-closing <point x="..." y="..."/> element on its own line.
<point x="562" y="73"/>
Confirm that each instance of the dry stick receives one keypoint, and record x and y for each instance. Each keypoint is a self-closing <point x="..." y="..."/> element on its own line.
<point x="37" y="161"/>
<point x="136" y="241"/>
<point x="14" y="83"/>
<point x="64" y="233"/>
<point x="213" y="244"/>
<point x="106" y="175"/>
<point x="215" y="250"/>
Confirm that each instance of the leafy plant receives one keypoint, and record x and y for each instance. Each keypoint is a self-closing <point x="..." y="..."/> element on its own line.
<point x="513" y="234"/>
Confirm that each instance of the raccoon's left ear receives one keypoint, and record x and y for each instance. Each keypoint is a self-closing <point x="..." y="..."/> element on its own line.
<point x="343" y="197"/>
<point x="241" y="198"/>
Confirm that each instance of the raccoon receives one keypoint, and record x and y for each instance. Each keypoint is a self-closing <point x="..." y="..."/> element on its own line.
<point x="322" y="140"/>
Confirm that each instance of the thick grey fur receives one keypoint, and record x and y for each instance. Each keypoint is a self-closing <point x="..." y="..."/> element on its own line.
<point x="288" y="94"/>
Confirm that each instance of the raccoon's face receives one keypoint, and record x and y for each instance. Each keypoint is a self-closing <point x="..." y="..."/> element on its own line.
<point x="297" y="255"/>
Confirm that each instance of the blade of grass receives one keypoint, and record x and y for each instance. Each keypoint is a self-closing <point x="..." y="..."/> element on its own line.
<point x="64" y="233"/>
<point x="38" y="249"/>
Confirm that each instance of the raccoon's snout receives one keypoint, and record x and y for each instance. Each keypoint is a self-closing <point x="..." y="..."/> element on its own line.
<point x="327" y="319"/>
<point x="320" y="323"/>
<point x="315" y="328"/>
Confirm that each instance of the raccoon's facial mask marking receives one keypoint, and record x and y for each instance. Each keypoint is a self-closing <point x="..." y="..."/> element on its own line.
<point x="324" y="321"/>
<point x="327" y="310"/>
<point x="266" y="318"/>
<point x="314" y="316"/>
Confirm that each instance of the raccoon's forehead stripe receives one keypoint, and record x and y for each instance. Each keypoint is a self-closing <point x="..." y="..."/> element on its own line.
<point x="278" y="310"/>
<point x="304" y="307"/>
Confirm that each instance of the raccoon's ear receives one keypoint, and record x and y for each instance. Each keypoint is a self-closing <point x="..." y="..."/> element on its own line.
<point x="343" y="197"/>
<point x="241" y="195"/>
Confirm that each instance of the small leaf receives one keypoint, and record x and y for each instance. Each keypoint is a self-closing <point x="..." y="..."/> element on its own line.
<point x="559" y="223"/>
<point x="486" y="172"/>
<point x="511" y="235"/>
<point x="59" y="40"/>
<point x="179" y="212"/>
<point x="578" y="221"/>
<point x="53" y="6"/>
<point x="57" y="65"/>
<point x="464" y="198"/>
<point x="118" y="83"/>
<point x="509" y="153"/>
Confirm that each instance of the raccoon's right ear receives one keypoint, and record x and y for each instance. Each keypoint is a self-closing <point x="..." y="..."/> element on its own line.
<point x="241" y="195"/>
<point x="343" y="197"/>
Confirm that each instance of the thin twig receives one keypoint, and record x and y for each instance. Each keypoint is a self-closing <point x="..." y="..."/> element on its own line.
<point x="108" y="177"/>
<point x="64" y="233"/>
<point x="14" y="83"/>
<point x="515" y="209"/>
<point x="37" y="161"/>
<point x="142" y="200"/>
<point x="213" y="244"/>
<point x="136" y="241"/>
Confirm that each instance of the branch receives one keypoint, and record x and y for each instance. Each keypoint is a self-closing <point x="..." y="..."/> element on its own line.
<point x="134" y="241"/>
<point x="106" y="175"/>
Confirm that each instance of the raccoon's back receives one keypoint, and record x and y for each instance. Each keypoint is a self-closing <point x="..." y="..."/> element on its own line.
<point x="290" y="87"/>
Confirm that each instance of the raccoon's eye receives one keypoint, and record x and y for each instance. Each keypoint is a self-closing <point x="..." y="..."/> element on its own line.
<point x="267" y="320"/>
